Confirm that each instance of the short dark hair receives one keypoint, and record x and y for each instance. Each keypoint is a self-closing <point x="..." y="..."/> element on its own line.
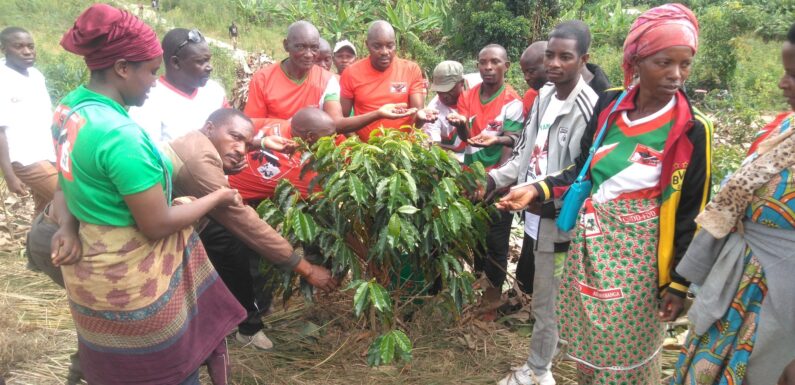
<point x="575" y="30"/>
<point x="791" y="34"/>
<point x="173" y="39"/>
<point x="225" y="115"/>
<point x="6" y="33"/>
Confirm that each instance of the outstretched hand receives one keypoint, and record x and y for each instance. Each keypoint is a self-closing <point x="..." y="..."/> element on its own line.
<point x="427" y="115"/>
<point x="456" y="119"/>
<point x="518" y="198"/>
<point x="483" y="140"/>
<point x="395" y="111"/>
<point x="320" y="277"/>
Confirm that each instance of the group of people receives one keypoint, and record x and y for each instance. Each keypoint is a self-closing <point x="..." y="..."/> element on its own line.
<point x="145" y="201"/>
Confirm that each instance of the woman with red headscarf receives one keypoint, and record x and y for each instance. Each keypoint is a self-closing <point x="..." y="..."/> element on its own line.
<point x="147" y="304"/>
<point x="650" y="175"/>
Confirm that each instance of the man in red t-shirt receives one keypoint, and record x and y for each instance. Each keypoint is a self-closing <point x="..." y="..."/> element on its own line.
<point x="267" y="167"/>
<point x="532" y="63"/>
<point x="378" y="80"/>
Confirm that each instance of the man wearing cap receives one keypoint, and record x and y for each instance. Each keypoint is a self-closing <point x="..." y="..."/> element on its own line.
<point x="381" y="79"/>
<point x="344" y="55"/>
<point x="185" y="95"/>
<point x="448" y="82"/>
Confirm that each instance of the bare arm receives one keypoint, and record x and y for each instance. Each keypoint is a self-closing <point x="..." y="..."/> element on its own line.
<point x="339" y="112"/>
<point x="417" y="100"/>
<point x="157" y="220"/>
<point x="14" y="184"/>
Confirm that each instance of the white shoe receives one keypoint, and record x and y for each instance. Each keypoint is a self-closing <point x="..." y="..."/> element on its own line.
<point x="525" y="376"/>
<point x="258" y="341"/>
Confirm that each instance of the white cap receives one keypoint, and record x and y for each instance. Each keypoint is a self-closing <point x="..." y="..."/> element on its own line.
<point x="344" y="43"/>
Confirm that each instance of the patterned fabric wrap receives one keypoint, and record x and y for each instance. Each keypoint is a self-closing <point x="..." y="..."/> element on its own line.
<point x="146" y="312"/>
<point x="608" y="299"/>
<point x="720" y="356"/>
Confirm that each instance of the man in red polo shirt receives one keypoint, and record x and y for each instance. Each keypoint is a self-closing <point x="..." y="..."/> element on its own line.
<point x="378" y="80"/>
<point x="267" y="167"/>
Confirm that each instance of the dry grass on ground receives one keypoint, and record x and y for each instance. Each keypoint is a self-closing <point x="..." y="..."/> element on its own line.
<point x="315" y="344"/>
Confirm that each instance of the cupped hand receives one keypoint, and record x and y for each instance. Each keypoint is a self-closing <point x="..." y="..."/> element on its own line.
<point x="483" y="140"/>
<point x="456" y="119"/>
<point x="517" y="199"/>
<point x="395" y="111"/>
<point x="427" y="114"/>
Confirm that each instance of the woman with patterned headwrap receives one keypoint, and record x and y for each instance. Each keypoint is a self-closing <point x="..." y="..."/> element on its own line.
<point x="743" y="318"/>
<point x="650" y="177"/>
<point x="147" y="304"/>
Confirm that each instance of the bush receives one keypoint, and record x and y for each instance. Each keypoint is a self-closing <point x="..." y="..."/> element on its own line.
<point x="489" y="22"/>
<point x="392" y="212"/>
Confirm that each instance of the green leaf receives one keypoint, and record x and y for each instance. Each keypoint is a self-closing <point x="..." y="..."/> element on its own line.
<point x="357" y="189"/>
<point x="393" y="230"/>
<point x="411" y="184"/>
<point x="360" y="298"/>
<point x="402" y="340"/>
<point x="354" y="283"/>
<point x="374" y="352"/>
<point x="387" y="348"/>
<point x="304" y="226"/>
<point x="408" y="209"/>
<point x="380" y="298"/>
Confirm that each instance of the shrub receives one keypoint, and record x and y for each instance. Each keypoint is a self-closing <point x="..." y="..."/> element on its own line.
<point x="388" y="209"/>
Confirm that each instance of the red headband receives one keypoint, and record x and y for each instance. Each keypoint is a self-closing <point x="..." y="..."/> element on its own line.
<point x="665" y="26"/>
<point x="103" y="34"/>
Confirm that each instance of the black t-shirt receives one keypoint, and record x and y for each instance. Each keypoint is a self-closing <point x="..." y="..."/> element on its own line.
<point x="233" y="30"/>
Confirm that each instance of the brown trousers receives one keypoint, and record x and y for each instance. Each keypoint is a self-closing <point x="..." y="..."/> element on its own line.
<point x="41" y="178"/>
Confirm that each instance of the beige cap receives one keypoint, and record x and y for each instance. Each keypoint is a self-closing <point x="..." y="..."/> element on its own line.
<point x="344" y="43"/>
<point x="446" y="75"/>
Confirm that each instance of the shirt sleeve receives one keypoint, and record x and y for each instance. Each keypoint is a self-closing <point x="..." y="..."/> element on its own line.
<point x="416" y="82"/>
<point x="332" y="91"/>
<point x="346" y="85"/>
<point x="201" y="175"/>
<point x="130" y="160"/>
<point x="256" y="106"/>
<point x="514" y="116"/>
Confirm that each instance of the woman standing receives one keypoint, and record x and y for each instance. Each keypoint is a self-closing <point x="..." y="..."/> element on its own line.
<point x="743" y="330"/>
<point x="650" y="178"/>
<point x="147" y="304"/>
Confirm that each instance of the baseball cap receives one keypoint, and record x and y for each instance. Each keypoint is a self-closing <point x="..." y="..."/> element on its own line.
<point x="344" y="43"/>
<point x="446" y="75"/>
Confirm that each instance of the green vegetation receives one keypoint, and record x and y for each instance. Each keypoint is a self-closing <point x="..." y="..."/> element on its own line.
<point x="406" y="225"/>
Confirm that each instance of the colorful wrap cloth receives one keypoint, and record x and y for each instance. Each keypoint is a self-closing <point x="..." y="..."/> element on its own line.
<point x="146" y="312"/>
<point x="103" y="34"/>
<point x="659" y="28"/>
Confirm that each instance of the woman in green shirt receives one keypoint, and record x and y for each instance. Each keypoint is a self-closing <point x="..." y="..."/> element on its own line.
<point x="148" y="306"/>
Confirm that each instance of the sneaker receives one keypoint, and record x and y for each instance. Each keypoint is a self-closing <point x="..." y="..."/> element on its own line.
<point x="259" y="340"/>
<point x="525" y="376"/>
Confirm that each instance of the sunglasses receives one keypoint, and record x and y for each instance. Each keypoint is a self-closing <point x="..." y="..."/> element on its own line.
<point x="194" y="36"/>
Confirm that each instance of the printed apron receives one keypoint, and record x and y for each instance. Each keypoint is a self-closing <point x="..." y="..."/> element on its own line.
<point x="609" y="295"/>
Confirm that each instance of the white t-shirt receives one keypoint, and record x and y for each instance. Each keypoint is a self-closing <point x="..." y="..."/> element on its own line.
<point x="169" y="113"/>
<point x="538" y="159"/>
<point x="441" y="130"/>
<point x="26" y="112"/>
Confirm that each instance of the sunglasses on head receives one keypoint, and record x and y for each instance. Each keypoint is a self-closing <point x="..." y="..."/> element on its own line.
<point x="194" y="36"/>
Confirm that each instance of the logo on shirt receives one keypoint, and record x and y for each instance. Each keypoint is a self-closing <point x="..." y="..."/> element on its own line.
<point x="398" y="88"/>
<point x="270" y="168"/>
<point x="646" y="156"/>
<point x="67" y="134"/>
<point x="563" y="135"/>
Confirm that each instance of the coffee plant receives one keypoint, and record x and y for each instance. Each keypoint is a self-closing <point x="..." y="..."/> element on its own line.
<point x="393" y="213"/>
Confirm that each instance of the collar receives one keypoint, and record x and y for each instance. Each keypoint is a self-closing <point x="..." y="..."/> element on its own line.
<point x="568" y="104"/>
<point x="176" y="90"/>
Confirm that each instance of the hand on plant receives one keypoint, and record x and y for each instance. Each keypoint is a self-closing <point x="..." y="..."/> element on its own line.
<point x="277" y="143"/>
<point x="427" y="115"/>
<point x="320" y="277"/>
<point x="483" y="140"/>
<point x="395" y="111"/>
<point x="15" y="185"/>
<point x="65" y="247"/>
<point x="457" y="119"/>
<point x="671" y="307"/>
<point x="517" y="199"/>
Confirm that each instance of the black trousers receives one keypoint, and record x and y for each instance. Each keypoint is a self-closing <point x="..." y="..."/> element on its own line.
<point x="239" y="268"/>
<point x="526" y="268"/>
<point x="494" y="260"/>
